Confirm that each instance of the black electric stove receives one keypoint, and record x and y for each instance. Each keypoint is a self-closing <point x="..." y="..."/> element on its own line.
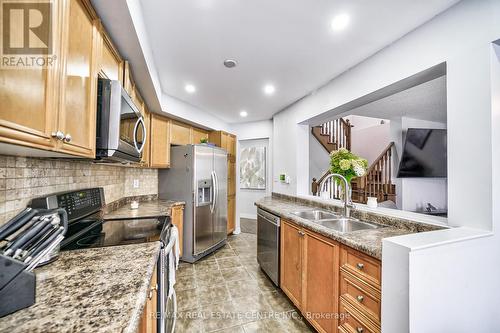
<point x="87" y="229"/>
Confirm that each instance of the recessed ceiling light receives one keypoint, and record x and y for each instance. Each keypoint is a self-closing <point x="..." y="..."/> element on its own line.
<point x="190" y="88"/>
<point x="269" y="89"/>
<point x="340" y="22"/>
<point x="243" y="114"/>
<point x="229" y="63"/>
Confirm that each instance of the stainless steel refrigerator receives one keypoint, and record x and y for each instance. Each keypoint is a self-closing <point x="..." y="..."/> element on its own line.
<point x="198" y="176"/>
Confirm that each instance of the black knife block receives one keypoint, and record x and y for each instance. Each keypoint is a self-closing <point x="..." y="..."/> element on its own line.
<point x="17" y="286"/>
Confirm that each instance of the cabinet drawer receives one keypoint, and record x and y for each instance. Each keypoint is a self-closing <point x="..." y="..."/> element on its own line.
<point x="361" y="295"/>
<point x="366" y="267"/>
<point x="353" y="322"/>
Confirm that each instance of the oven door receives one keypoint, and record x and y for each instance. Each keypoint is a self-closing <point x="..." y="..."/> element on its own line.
<point x="167" y="301"/>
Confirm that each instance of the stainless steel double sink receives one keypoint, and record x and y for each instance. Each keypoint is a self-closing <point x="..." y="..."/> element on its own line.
<point x="335" y="221"/>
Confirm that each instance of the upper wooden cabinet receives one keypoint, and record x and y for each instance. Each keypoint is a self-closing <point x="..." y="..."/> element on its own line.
<point x="226" y="141"/>
<point x="180" y="133"/>
<point x="54" y="108"/>
<point x="160" y="142"/>
<point x="77" y="108"/>
<point x="198" y="135"/>
<point x="110" y="64"/>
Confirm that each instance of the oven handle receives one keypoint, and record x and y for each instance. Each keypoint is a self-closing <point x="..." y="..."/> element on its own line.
<point x="140" y="121"/>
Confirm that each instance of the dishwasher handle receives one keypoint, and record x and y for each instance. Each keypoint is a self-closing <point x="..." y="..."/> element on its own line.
<point x="273" y="219"/>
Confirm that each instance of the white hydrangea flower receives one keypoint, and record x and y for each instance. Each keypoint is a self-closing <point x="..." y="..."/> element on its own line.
<point x="358" y="170"/>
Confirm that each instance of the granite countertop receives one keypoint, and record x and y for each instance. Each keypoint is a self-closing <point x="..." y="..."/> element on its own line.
<point x="90" y="290"/>
<point x="368" y="241"/>
<point x="147" y="209"/>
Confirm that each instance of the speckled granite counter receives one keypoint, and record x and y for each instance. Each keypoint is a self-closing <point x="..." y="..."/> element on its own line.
<point x="92" y="290"/>
<point x="368" y="241"/>
<point x="153" y="208"/>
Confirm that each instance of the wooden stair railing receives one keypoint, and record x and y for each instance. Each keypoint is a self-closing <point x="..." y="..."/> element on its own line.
<point x="377" y="182"/>
<point x="333" y="134"/>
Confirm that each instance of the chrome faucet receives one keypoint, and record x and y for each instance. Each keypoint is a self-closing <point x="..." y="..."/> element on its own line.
<point x="348" y="195"/>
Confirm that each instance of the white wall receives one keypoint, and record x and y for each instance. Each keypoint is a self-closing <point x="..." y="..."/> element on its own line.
<point x="258" y="131"/>
<point x="369" y="142"/>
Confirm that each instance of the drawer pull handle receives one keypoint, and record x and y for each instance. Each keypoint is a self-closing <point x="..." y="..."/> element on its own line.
<point x="360" y="265"/>
<point x="360" y="330"/>
<point x="360" y="298"/>
<point x="301" y="233"/>
<point x="152" y="291"/>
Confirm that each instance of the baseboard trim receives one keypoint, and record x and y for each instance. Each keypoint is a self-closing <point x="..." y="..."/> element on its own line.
<point x="249" y="216"/>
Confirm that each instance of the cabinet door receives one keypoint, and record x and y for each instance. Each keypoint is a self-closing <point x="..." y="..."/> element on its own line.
<point x="148" y="322"/>
<point x="180" y="133"/>
<point x="232" y="147"/>
<point x="231" y="178"/>
<point x="320" y="283"/>
<point x="160" y="142"/>
<point x="178" y="221"/>
<point x="77" y="112"/>
<point x="199" y="134"/>
<point x="231" y="218"/>
<point x="291" y="262"/>
<point x="110" y="64"/>
<point x="28" y="104"/>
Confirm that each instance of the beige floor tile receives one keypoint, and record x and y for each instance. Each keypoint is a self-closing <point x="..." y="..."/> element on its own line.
<point x="185" y="282"/>
<point x="264" y="326"/>
<point x="210" y="278"/>
<point x="243" y="288"/>
<point x="235" y="273"/>
<point x="189" y="321"/>
<point x="225" y="263"/>
<point x="278" y="301"/>
<point x="187" y="299"/>
<point x="219" y="316"/>
<point x="212" y="294"/>
<point x="293" y="322"/>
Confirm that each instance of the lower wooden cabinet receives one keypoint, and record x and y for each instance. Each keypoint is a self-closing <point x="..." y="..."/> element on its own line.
<point x="291" y="262"/>
<point x="177" y="218"/>
<point x="320" y="271"/>
<point x="336" y="288"/>
<point x="231" y="210"/>
<point x="148" y="323"/>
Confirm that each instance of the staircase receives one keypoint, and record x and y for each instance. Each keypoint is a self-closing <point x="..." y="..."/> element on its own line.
<point x="377" y="182"/>
<point x="333" y="134"/>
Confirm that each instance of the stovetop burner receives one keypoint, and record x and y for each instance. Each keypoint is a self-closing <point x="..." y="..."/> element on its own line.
<point x="93" y="232"/>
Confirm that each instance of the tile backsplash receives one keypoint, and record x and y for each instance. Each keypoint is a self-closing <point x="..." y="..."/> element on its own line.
<point x="24" y="178"/>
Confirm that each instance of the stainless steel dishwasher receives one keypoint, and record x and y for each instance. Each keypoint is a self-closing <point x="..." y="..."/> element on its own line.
<point x="268" y="244"/>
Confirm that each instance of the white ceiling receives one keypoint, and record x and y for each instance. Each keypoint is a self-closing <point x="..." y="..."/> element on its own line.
<point x="286" y="43"/>
<point x="426" y="101"/>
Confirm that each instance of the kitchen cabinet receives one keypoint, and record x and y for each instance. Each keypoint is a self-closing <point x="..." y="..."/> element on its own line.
<point x="54" y="108"/>
<point x="77" y="103"/>
<point x="148" y="323"/>
<point x="110" y="64"/>
<point x="227" y="141"/>
<point x="159" y="142"/>
<point x="309" y="274"/>
<point x="231" y="221"/>
<point x="199" y="134"/>
<point x="291" y="262"/>
<point x="360" y="291"/>
<point x="180" y="133"/>
<point x="320" y="271"/>
<point x="177" y="218"/>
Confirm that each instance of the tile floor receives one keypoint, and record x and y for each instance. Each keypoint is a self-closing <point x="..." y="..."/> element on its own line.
<point x="227" y="292"/>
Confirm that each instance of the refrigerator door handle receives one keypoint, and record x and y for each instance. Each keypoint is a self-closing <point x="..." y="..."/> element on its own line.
<point x="212" y="206"/>
<point x="216" y="190"/>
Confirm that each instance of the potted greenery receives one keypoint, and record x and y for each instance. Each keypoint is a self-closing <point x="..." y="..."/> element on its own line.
<point x="347" y="164"/>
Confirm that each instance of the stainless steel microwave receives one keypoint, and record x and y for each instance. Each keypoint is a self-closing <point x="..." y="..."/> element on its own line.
<point x="121" y="131"/>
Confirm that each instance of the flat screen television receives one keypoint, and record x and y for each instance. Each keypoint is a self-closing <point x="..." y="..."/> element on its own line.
<point x="424" y="154"/>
